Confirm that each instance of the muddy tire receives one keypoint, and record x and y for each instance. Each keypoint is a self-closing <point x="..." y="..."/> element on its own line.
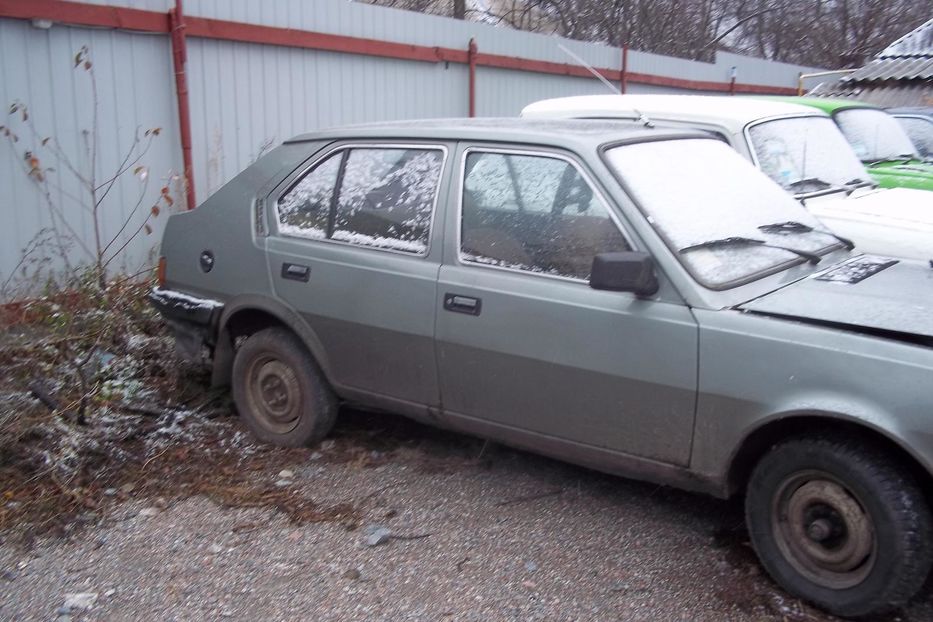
<point x="279" y="391"/>
<point x="841" y="524"/>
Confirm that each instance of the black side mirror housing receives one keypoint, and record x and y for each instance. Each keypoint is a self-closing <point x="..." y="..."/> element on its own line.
<point x="624" y="272"/>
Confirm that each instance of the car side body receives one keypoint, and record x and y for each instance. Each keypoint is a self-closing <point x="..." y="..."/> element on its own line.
<point x="462" y="326"/>
<point x="896" y="221"/>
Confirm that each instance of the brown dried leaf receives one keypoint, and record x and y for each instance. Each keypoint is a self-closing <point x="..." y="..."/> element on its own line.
<point x="138" y="170"/>
<point x="155" y="210"/>
<point x="87" y="65"/>
<point x="46" y="140"/>
<point x="148" y="229"/>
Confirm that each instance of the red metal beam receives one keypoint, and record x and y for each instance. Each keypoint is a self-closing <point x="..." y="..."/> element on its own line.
<point x="179" y="58"/>
<point x="82" y="14"/>
<point x="472" y="63"/>
<point x="623" y="76"/>
<point x="274" y="35"/>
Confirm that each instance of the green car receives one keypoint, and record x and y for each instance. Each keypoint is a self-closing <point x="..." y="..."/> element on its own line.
<point x="879" y="141"/>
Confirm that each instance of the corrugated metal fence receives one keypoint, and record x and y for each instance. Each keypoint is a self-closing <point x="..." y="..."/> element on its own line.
<point x="257" y="73"/>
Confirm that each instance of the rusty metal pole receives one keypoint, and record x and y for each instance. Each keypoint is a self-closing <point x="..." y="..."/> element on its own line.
<point x="471" y="57"/>
<point x="623" y="75"/>
<point x="180" y="57"/>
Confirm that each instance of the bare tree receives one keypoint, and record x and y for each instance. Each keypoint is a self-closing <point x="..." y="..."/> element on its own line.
<point x="830" y="33"/>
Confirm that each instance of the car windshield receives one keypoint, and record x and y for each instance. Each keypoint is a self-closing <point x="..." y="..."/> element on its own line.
<point x="805" y="154"/>
<point x="875" y="135"/>
<point x="696" y="191"/>
<point x="920" y="130"/>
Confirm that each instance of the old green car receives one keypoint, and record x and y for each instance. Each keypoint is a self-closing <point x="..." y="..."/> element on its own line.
<point x="638" y="300"/>
<point x="879" y="140"/>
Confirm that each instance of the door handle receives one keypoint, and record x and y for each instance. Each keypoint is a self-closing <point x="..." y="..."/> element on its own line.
<point x="296" y="272"/>
<point x="462" y="304"/>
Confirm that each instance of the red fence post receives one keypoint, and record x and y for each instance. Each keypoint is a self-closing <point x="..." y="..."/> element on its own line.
<point x="180" y="57"/>
<point x="623" y="75"/>
<point x="471" y="58"/>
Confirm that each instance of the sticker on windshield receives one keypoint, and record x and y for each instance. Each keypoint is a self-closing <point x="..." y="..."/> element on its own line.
<point x="857" y="270"/>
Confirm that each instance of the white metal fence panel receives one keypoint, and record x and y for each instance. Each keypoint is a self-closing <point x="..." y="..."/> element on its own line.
<point x="134" y="93"/>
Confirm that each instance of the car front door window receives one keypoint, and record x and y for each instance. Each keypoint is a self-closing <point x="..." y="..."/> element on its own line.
<point x="533" y="213"/>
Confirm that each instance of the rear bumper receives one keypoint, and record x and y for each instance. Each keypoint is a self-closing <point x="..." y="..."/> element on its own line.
<point x="193" y="320"/>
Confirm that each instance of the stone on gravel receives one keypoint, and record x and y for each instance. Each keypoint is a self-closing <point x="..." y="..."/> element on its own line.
<point x="215" y="549"/>
<point x="376" y="535"/>
<point x="286" y="474"/>
<point x="531" y="566"/>
<point x="353" y="574"/>
<point x="149" y="512"/>
<point x="327" y="445"/>
<point x="282" y="483"/>
<point x="110" y="492"/>
<point x="79" y="601"/>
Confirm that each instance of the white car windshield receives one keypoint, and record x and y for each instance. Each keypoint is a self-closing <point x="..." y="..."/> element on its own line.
<point x="805" y="154"/>
<point x="704" y="199"/>
<point x="875" y="135"/>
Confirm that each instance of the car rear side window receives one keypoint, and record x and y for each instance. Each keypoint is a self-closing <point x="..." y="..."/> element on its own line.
<point x="379" y="197"/>
<point x="533" y="213"/>
<point x="304" y="210"/>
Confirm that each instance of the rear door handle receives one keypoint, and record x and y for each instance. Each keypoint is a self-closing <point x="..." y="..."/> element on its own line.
<point x="296" y="272"/>
<point x="462" y="304"/>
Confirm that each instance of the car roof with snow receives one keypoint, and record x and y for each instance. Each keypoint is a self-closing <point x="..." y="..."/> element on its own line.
<point x="732" y="112"/>
<point x="547" y="132"/>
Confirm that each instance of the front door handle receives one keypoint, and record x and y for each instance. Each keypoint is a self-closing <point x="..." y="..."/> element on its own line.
<point x="296" y="272"/>
<point x="462" y="304"/>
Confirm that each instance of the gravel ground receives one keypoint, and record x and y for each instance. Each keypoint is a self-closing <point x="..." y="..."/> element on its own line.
<point x="475" y="532"/>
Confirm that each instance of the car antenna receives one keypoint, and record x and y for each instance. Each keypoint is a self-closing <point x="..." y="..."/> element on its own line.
<point x="642" y="117"/>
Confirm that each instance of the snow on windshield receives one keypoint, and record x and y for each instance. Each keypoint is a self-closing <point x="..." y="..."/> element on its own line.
<point x="805" y="154"/>
<point x="874" y="134"/>
<point x="696" y="190"/>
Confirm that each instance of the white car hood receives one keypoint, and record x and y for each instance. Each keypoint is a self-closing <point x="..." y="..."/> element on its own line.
<point x="891" y="221"/>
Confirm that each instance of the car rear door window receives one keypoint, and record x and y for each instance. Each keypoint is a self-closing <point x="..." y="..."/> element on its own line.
<point x="387" y="197"/>
<point x="534" y="213"/>
<point x="379" y="197"/>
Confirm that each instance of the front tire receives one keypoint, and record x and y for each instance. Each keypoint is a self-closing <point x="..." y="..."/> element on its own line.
<point x="279" y="391"/>
<point x="840" y="523"/>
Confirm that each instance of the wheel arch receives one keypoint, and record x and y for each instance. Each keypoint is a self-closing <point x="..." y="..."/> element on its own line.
<point x="243" y="316"/>
<point x="759" y="440"/>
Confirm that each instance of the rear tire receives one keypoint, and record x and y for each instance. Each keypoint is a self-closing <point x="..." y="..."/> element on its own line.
<point x="280" y="392"/>
<point x="840" y="523"/>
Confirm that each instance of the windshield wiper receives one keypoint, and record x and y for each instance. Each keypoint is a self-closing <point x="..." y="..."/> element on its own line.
<point x="820" y="183"/>
<point x="858" y="182"/>
<point x="792" y="226"/>
<point x="741" y="241"/>
<point x="906" y="157"/>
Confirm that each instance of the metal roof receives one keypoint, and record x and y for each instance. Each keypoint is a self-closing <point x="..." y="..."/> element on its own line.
<point x="917" y="42"/>
<point x="908" y="58"/>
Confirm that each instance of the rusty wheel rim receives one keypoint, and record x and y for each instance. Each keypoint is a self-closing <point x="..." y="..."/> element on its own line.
<point x="274" y="394"/>
<point x="823" y="530"/>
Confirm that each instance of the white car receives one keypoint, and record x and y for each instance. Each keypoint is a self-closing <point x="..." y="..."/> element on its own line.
<point x="798" y="147"/>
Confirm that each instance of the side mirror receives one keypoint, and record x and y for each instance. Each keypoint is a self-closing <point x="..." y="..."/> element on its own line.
<point x="624" y="272"/>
